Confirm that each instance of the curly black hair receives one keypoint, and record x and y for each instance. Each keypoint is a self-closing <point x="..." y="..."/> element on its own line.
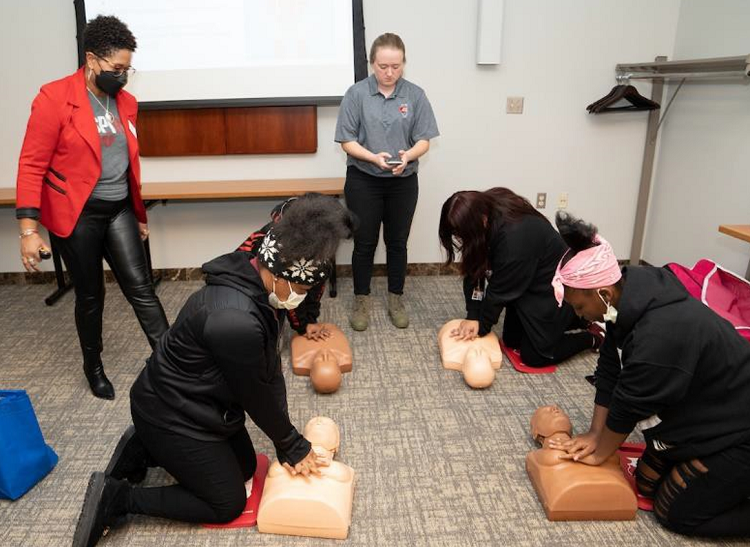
<point x="106" y="34"/>
<point x="312" y="227"/>
<point x="577" y="234"/>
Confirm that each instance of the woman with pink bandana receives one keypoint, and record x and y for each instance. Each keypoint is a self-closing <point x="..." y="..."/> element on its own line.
<point x="675" y="368"/>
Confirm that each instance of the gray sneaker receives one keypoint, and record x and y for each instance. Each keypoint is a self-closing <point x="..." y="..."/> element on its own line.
<point x="360" y="312"/>
<point x="397" y="311"/>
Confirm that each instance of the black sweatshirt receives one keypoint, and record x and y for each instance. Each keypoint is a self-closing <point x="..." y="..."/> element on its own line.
<point x="684" y="370"/>
<point x="219" y="360"/>
<point x="523" y="257"/>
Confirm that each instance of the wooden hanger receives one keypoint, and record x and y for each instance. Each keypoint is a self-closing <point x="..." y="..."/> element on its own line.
<point x="618" y="93"/>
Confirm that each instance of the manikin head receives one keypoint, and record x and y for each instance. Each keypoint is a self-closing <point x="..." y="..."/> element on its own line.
<point x="477" y="369"/>
<point x="548" y="420"/>
<point x="325" y="373"/>
<point x="323" y="432"/>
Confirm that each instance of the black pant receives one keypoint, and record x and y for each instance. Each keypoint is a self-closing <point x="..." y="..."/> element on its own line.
<point x="514" y="336"/>
<point x="109" y="230"/>
<point x="707" y="497"/>
<point x="210" y="476"/>
<point x="375" y="200"/>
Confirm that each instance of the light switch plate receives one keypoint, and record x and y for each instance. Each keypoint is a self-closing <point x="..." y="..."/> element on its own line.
<point x="514" y="105"/>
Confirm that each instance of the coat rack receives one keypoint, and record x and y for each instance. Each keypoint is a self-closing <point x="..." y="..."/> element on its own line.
<point x="721" y="68"/>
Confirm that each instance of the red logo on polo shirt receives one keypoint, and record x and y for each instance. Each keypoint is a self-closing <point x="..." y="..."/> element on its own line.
<point x="404" y="109"/>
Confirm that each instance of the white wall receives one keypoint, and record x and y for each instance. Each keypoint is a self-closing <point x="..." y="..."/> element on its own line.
<point x="702" y="180"/>
<point x="558" y="54"/>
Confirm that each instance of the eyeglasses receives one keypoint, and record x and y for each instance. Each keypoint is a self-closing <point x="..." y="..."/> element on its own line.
<point x="118" y="70"/>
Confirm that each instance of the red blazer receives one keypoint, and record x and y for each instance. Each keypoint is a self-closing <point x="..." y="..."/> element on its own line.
<point x="61" y="157"/>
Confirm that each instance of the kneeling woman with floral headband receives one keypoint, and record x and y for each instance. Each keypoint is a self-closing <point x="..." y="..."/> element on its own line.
<point x="218" y="361"/>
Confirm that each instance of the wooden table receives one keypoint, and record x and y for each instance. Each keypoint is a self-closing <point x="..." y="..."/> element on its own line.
<point x="740" y="231"/>
<point x="214" y="190"/>
<point x="223" y="189"/>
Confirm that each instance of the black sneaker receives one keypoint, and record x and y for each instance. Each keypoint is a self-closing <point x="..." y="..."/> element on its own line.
<point x="103" y="506"/>
<point x="129" y="460"/>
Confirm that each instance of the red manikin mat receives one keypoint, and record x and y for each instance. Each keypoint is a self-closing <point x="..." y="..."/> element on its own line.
<point x="514" y="356"/>
<point x="249" y="516"/>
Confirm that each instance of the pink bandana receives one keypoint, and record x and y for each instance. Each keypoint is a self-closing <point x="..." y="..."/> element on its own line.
<point x="593" y="268"/>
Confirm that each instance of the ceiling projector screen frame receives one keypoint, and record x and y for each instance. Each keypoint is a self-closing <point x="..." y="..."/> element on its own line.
<point x="359" y="72"/>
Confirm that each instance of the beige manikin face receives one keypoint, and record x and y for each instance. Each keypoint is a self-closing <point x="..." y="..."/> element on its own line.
<point x="324" y="432"/>
<point x="548" y="420"/>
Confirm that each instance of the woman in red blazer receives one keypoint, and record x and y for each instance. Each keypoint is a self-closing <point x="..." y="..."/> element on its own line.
<point x="79" y="176"/>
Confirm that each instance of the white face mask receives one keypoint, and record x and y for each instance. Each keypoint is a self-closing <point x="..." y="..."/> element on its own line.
<point x="290" y="303"/>
<point x="611" y="313"/>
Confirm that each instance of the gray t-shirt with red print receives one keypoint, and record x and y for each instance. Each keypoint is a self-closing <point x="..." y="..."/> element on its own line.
<point x="113" y="183"/>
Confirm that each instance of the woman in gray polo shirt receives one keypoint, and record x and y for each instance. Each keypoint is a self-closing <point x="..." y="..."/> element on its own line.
<point x="385" y="124"/>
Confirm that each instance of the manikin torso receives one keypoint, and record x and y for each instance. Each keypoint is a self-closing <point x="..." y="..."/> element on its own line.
<point x="320" y="359"/>
<point x="571" y="490"/>
<point x="477" y="359"/>
<point x="314" y="506"/>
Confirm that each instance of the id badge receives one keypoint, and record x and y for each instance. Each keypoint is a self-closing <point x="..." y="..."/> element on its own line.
<point x="478" y="294"/>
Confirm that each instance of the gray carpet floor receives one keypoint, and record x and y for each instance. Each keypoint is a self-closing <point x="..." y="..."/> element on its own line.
<point x="437" y="463"/>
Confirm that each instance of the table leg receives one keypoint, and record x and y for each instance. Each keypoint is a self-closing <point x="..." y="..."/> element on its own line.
<point x="155" y="279"/>
<point x="62" y="285"/>
<point x="332" y="281"/>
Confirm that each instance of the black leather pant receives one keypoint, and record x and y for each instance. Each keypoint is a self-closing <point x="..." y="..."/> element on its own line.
<point x="109" y="230"/>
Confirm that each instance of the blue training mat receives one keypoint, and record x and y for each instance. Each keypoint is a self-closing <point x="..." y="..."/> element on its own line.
<point x="25" y="458"/>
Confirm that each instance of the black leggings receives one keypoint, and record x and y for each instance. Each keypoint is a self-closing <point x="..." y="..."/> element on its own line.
<point x="210" y="476"/>
<point x="109" y="230"/>
<point x="514" y="336"/>
<point x="706" y="497"/>
<point x="375" y="200"/>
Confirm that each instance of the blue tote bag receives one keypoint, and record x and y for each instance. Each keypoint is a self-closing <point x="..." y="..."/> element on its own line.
<point x="25" y="458"/>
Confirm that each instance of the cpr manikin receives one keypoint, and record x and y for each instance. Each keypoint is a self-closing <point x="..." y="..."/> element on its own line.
<point x="323" y="360"/>
<point x="314" y="506"/>
<point x="572" y="490"/>
<point x="477" y="359"/>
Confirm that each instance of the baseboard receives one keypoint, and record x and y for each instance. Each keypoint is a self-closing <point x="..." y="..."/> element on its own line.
<point x="196" y="274"/>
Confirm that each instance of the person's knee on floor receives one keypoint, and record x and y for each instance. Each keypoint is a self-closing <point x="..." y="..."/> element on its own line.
<point x="531" y="357"/>
<point x="227" y="509"/>
<point x="677" y="519"/>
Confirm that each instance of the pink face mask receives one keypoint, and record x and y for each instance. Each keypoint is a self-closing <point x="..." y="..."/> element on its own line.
<point x="592" y="268"/>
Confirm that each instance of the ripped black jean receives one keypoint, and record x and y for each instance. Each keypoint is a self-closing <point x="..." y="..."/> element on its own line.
<point x="705" y="497"/>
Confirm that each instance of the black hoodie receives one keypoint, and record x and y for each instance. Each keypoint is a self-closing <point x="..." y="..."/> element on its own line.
<point x="523" y="256"/>
<point x="219" y="360"/>
<point x="683" y="370"/>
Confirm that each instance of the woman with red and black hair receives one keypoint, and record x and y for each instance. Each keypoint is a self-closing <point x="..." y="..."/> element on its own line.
<point x="509" y="252"/>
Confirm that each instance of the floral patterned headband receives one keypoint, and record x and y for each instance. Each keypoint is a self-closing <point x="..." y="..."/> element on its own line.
<point x="302" y="270"/>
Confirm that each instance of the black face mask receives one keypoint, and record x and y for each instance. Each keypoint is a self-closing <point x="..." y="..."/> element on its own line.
<point x="109" y="83"/>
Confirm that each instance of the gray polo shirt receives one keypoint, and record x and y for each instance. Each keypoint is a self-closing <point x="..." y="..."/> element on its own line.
<point x="385" y="124"/>
<point x="113" y="182"/>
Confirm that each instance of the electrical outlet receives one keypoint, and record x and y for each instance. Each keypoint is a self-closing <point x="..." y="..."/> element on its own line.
<point x="562" y="201"/>
<point x="541" y="200"/>
<point x="514" y="105"/>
